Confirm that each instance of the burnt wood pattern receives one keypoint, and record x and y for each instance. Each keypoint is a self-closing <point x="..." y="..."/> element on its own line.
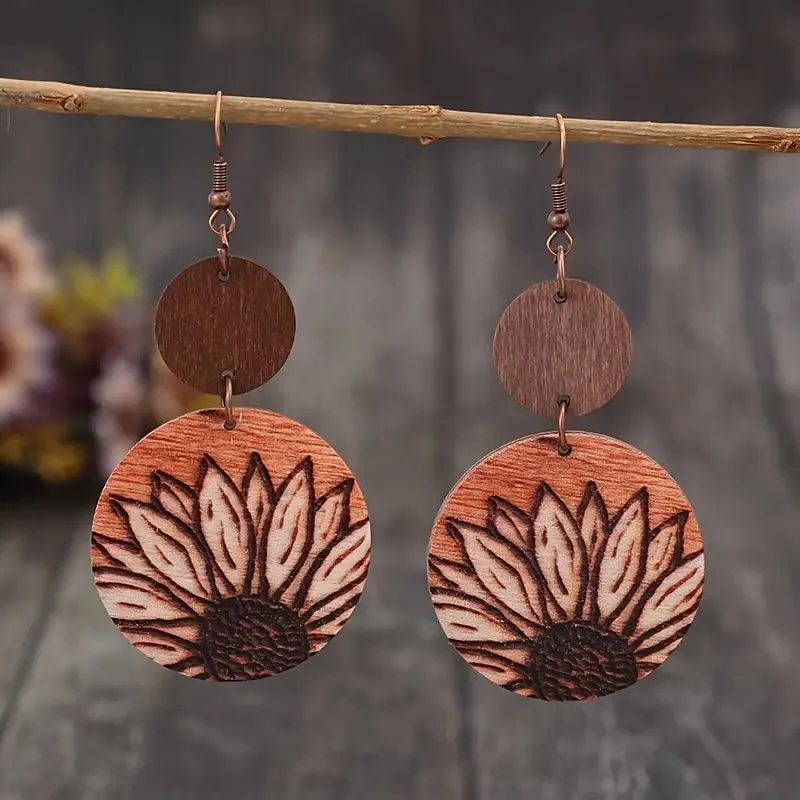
<point x="566" y="577"/>
<point x="230" y="555"/>
<point x="580" y="347"/>
<point x="206" y="325"/>
<point x="400" y="260"/>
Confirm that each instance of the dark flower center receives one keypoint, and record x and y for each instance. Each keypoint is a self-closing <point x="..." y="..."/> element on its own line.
<point x="250" y="637"/>
<point x="576" y="661"/>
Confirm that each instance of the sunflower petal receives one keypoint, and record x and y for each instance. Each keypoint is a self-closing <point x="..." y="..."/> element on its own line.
<point x="122" y="554"/>
<point x="623" y="561"/>
<point x="169" y="546"/>
<point x="291" y="528"/>
<point x="655" y="645"/>
<point x="259" y="496"/>
<point x="510" y="522"/>
<point x="164" y="647"/>
<point x="134" y="597"/>
<point x="593" y="520"/>
<point x="466" y="619"/>
<point x="331" y="519"/>
<point x="174" y="497"/>
<point x="344" y="565"/>
<point x="560" y="553"/>
<point x="663" y="553"/>
<point x="666" y="546"/>
<point x="226" y="525"/>
<point x="493" y="664"/>
<point x="671" y="599"/>
<point x="503" y="570"/>
<point x="333" y="604"/>
<point x="447" y="574"/>
<point x="259" y="493"/>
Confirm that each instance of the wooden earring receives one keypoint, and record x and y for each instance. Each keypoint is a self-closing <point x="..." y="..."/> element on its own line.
<point x="230" y="543"/>
<point x="565" y="566"/>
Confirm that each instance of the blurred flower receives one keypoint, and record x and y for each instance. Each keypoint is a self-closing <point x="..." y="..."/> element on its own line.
<point x="120" y="397"/>
<point x="25" y="358"/>
<point x="89" y="309"/>
<point x="22" y="265"/>
<point x="63" y="461"/>
<point x="170" y="397"/>
<point x="13" y="447"/>
<point x="75" y="389"/>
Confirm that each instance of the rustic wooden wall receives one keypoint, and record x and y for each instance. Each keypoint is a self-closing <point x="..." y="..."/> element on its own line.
<point x="399" y="260"/>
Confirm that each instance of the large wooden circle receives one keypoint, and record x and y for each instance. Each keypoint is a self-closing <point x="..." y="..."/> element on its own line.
<point x="230" y="555"/>
<point x="566" y="577"/>
<point x="544" y="349"/>
<point x="206" y="326"/>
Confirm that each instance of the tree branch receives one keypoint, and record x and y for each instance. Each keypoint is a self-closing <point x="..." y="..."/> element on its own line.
<point x="426" y="123"/>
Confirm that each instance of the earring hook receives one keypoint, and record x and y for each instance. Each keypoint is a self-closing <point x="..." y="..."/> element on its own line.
<point x="220" y="197"/>
<point x="562" y="131"/>
<point x="219" y="125"/>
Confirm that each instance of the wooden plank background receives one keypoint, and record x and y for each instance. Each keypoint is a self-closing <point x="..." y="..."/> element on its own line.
<point x="399" y="260"/>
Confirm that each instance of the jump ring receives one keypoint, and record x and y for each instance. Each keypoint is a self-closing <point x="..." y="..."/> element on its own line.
<point x="561" y="275"/>
<point x="229" y="228"/>
<point x="564" y="448"/>
<point x="227" y="400"/>
<point x="550" y="239"/>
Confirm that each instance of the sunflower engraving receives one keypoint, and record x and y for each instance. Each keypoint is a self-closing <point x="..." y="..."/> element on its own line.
<point x="564" y="606"/>
<point x="228" y="582"/>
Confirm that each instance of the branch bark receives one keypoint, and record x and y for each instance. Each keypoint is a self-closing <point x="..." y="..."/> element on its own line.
<point x="424" y="122"/>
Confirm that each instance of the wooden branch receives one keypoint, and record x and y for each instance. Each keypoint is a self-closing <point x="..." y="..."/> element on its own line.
<point x="426" y="123"/>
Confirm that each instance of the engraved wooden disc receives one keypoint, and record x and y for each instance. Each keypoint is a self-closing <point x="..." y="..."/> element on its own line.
<point x="581" y="348"/>
<point x="230" y="555"/>
<point x="565" y="578"/>
<point x="205" y="326"/>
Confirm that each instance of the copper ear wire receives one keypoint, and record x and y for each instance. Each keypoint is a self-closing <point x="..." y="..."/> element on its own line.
<point x="558" y="219"/>
<point x="562" y="129"/>
<point x="220" y="197"/>
<point x="218" y="125"/>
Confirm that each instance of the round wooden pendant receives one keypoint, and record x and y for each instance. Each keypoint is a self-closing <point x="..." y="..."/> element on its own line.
<point x="230" y="555"/>
<point x="566" y="577"/>
<point x="206" y="326"/>
<point x="581" y="347"/>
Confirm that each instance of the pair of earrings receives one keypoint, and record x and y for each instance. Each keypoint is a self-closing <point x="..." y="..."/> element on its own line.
<point x="234" y="543"/>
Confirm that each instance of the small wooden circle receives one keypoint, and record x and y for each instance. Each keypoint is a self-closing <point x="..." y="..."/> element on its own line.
<point x="580" y="347"/>
<point x="205" y="325"/>
<point x="230" y="555"/>
<point x="566" y="577"/>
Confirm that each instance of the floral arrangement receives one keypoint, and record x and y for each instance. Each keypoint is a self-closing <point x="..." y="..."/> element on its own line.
<point x="80" y="380"/>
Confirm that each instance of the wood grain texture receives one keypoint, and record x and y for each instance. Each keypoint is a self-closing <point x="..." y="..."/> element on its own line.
<point x="566" y="577"/>
<point x="230" y="555"/>
<point x="580" y="347"/>
<point x="31" y="552"/>
<point x="406" y="287"/>
<point x="206" y="326"/>
<point x="361" y="268"/>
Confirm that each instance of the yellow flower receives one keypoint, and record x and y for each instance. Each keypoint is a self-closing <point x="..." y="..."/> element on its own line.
<point x="63" y="462"/>
<point x="13" y="447"/>
<point x="92" y="292"/>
